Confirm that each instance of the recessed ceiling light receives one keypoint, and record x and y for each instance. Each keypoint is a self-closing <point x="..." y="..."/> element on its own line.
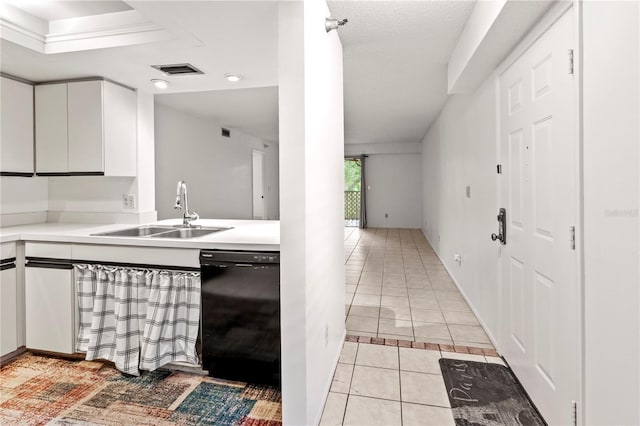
<point x="234" y="78"/>
<point x="160" y="84"/>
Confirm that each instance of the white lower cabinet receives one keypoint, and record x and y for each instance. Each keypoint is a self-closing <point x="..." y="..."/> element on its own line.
<point x="50" y="307"/>
<point x="8" y="310"/>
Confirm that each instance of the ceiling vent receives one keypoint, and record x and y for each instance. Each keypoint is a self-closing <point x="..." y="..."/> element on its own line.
<point x="178" y="69"/>
<point x="226" y="133"/>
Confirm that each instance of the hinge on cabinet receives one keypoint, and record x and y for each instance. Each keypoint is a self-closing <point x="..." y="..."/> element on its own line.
<point x="570" y="52"/>
<point x="499" y="169"/>
<point x="574" y="413"/>
<point x="572" y="237"/>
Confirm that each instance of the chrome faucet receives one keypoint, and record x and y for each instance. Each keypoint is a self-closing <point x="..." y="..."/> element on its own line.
<point x="181" y="194"/>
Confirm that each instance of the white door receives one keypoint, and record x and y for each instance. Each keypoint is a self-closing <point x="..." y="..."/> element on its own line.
<point x="258" y="185"/>
<point x="538" y="150"/>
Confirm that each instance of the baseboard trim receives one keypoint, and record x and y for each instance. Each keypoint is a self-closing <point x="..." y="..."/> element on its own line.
<point x="12" y="355"/>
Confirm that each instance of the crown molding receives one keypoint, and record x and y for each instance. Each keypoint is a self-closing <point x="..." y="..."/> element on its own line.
<point x="115" y="29"/>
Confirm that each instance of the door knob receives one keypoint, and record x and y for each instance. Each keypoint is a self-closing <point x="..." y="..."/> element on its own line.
<point x="496" y="237"/>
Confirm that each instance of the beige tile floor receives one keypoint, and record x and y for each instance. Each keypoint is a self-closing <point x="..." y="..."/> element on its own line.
<point x="387" y="385"/>
<point x="397" y="288"/>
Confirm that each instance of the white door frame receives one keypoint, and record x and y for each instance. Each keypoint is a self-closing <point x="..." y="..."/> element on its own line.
<point x="554" y="13"/>
<point x="262" y="155"/>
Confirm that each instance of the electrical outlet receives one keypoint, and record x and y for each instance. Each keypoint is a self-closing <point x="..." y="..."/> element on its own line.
<point x="128" y="201"/>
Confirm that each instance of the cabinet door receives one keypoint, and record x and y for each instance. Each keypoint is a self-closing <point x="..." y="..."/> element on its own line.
<point x="86" y="152"/>
<point x="119" y="130"/>
<point x="16" y="152"/>
<point x="50" y="309"/>
<point x="8" y="314"/>
<point x="51" y="128"/>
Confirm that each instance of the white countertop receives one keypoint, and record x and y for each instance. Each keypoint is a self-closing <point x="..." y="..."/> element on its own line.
<point x="244" y="235"/>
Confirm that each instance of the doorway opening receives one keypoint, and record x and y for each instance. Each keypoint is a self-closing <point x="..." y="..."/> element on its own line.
<point x="354" y="200"/>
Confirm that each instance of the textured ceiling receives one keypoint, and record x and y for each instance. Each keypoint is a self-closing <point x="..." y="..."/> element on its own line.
<point x="395" y="65"/>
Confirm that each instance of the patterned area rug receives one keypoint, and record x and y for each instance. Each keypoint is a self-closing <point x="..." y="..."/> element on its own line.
<point x="38" y="390"/>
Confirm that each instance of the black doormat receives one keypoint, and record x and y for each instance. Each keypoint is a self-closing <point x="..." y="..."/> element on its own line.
<point x="487" y="394"/>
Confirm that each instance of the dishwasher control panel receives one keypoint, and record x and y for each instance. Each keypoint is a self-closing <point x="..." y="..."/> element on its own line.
<point x="208" y="256"/>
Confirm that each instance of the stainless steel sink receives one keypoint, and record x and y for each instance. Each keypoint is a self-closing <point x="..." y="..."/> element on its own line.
<point x="186" y="233"/>
<point x="140" y="231"/>
<point x="163" y="232"/>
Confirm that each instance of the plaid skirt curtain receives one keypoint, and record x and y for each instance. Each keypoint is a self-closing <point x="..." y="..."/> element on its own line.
<point x="137" y="318"/>
<point x="172" y="320"/>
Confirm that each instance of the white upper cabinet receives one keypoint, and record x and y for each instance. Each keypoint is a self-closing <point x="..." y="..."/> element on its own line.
<point x="51" y="129"/>
<point x="100" y="129"/>
<point x="16" y="152"/>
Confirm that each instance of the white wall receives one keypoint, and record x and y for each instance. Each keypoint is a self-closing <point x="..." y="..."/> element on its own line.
<point x="23" y="200"/>
<point x="311" y="199"/>
<point x="459" y="150"/>
<point x="88" y="193"/>
<point x="394" y="172"/>
<point x="611" y="231"/>
<point x="396" y="190"/>
<point x="217" y="169"/>
<point x="90" y="199"/>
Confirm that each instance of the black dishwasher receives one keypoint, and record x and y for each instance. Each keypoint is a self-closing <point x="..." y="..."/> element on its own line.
<point x="241" y="315"/>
